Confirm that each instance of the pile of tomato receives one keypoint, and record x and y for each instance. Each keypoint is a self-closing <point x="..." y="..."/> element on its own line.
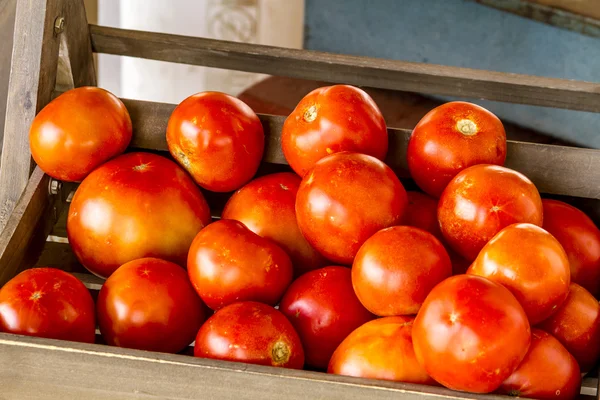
<point x="475" y="282"/>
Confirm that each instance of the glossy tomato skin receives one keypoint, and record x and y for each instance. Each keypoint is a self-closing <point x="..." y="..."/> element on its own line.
<point x="332" y="119"/>
<point x="250" y="332"/>
<point x="49" y="303"/>
<point x="580" y="238"/>
<point x="396" y="268"/>
<point x="531" y="263"/>
<point x="227" y="262"/>
<point x="421" y="212"/>
<point x="149" y="304"/>
<point x="576" y="324"/>
<point x="218" y="139"/>
<point x="322" y="307"/>
<point x="78" y="131"/>
<point x="345" y="199"/>
<point x="134" y="206"/>
<point x="471" y="334"/>
<point x="482" y="200"/>
<point x="380" y="349"/>
<point x="266" y="206"/>
<point x="548" y="371"/>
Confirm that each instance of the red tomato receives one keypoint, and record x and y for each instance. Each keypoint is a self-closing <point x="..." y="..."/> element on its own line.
<point x="576" y="324"/>
<point x="49" y="303"/>
<point x="482" y="200"/>
<point x="531" y="264"/>
<point x="548" y="371"/>
<point x="78" y="131"/>
<point x="471" y="334"/>
<point x="149" y="304"/>
<point x="228" y="262"/>
<point x="380" y="349"/>
<point x="267" y="207"/>
<point x="323" y="309"/>
<point x="329" y="120"/>
<point x="396" y="268"/>
<point x="345" y="199"/>
<point x="250" y="332"/>
<point x="137" y="205"/>
<point x="450" y="138"/>
<point x="218" y="139"/>
<point x="580" y="238"/>
<point x="421" y="212"/>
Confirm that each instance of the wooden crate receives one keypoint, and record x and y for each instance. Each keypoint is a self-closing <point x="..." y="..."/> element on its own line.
<point x="53" y="51"/>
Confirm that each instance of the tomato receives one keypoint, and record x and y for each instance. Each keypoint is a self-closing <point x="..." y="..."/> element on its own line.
<point x="450" y="138"/>
<point x="548" y="371"/>
<point x="537" y="273"/>
<point x="345" y="199"/>
<point x="421" y="212"/>
<point x="134" y="206"/>
<point x="396" y="268"/>
<point x="323" y="309"/>
<point x="576" y="324"/>
<point x="267" y="207"/>
<point x="218" y="139"/>
<point x="580" y="238"/>
<point x="78" y="131"/>
<point x="228" y="262"/>
<point x="49" y="303"/>
<point x="250" y="332"/>
<point x="149" y="304"/>
<point x="329" y="120"/>
<point x="471" y="334"/>
<point x="482" y="200"/>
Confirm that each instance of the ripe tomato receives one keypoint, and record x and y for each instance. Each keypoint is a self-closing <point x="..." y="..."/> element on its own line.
<point x="323" y="309"/>
<point x="332" y="119"/>
<point x="471" y="334"/>
<point x="580" y="238"/>
<point x="482" y="200"/>
<point x="576" y="324"/>
<point x="218" y="139"/>
<point x="149" y="304"/>
<point x="450" y="138"/>
<point x="421" y="212"/>
<point x="228" y="262"/>
<point x="267" y="207"/>
<point x="78" y="131"/>
<point x="396" y="268"/>
<point x="537" y="273"/>
<point x="136" y="205"/>
<point x="250" y="332"/>
<point x="548" y="371"/>
<point x="49" y="303"/>
<point x="345" y="199"/>
<point x="380" y="349"/>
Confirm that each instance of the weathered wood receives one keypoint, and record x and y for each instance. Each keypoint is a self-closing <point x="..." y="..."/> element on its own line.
<point x="79" y="46"/>
<point x="7" y="24"/>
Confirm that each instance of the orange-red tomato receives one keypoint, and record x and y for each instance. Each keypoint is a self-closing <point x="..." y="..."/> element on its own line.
<point x="531" y="264"/>
<point x="380" y="349"/>
<point x="482" y="200"/>
<point x="323" y="309"/>
<point x="49" y="303"/>
<point x="421" y="212"/>
<point x="78" y="131"/>
<point x="576" y="324"/>
<point x="218" y="139"/>
<point x="136" y="205"/>
<point x="580" y="238"/>
<point x="345" y="199"/>
<point x="227" y="262"/>
<point x="149" y="304"/>
<point x="267" y="207"/>
<point x="250" y="332"/>
<point x="548" y="371"/>
<point x="332" y="119"/>
<point x="471" y="334"/>
<point x="396" y="268"/>
<point x="450" y="138"/>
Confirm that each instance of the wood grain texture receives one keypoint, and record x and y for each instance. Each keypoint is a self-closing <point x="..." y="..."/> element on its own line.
<point x="7" y="24"/>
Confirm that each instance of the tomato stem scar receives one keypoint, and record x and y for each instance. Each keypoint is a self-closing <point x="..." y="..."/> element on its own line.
<point x="467" y="127"/>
